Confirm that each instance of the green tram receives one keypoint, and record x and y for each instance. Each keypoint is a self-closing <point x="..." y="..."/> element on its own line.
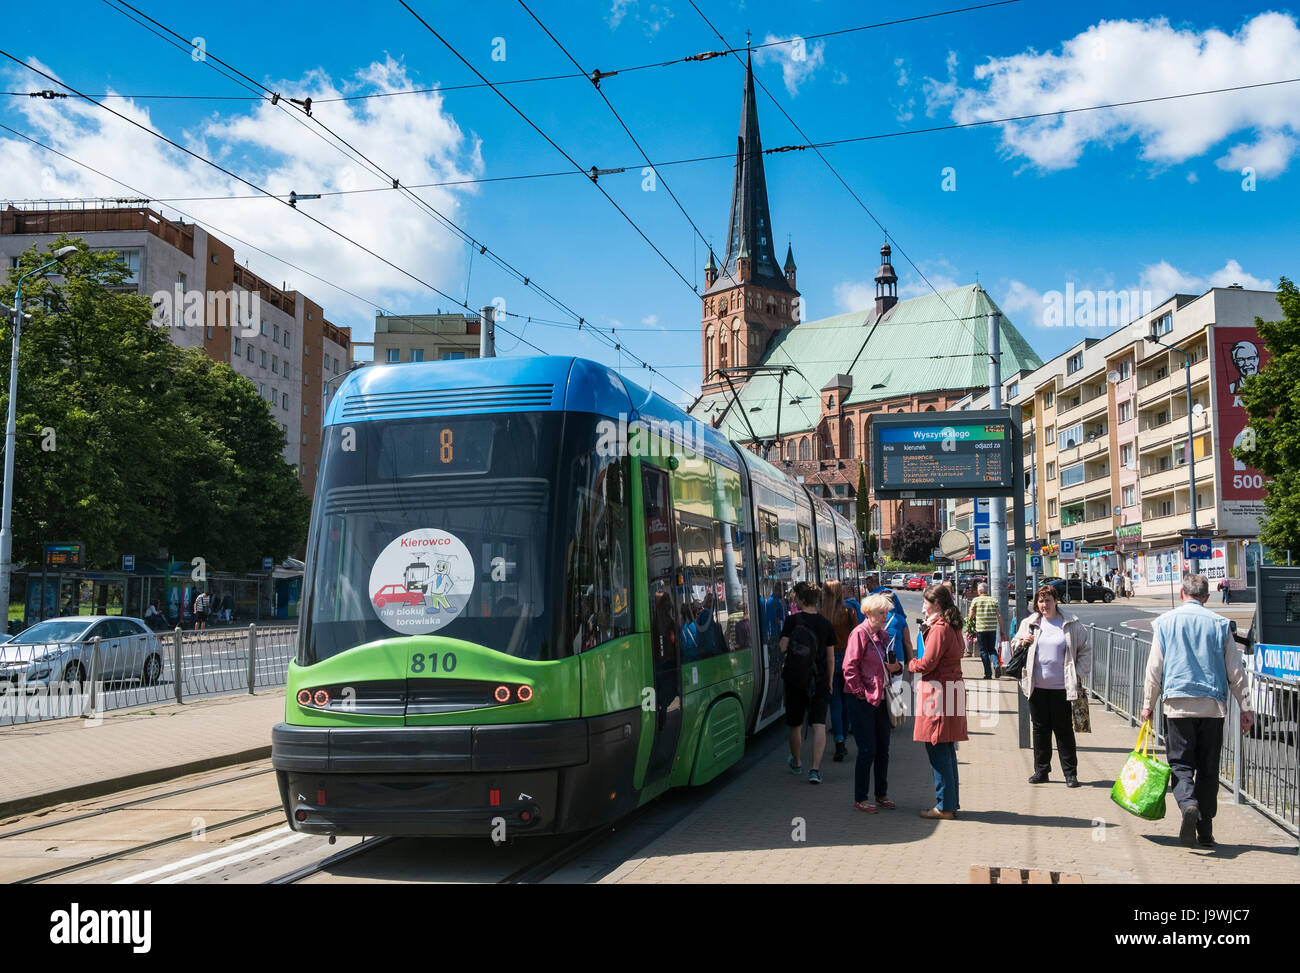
<point x="536" y="594"/>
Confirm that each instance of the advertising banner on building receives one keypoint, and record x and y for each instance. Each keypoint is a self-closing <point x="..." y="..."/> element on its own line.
<point x="1238" y="354"/>
<point x="1163" y="567"/>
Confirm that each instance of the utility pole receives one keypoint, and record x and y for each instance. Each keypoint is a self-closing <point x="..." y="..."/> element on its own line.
<point x="997" y="505"/>
<point x="487" y="332"/>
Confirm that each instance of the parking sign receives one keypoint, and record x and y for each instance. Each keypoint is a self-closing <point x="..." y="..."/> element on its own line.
<point x="1036" y="561"/>
<point x="1067" y="550"/>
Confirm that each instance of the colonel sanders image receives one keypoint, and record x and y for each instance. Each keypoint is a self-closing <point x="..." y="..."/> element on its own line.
<point x="1246" y="357"/>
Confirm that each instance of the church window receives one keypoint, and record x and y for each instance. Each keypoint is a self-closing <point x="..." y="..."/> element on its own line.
<point x="735" y="341"/>
<point x="848" y="439"/>
<point x="805" y="450"/>
<point x="723" y="360"/>
<point x="708" y="351"/>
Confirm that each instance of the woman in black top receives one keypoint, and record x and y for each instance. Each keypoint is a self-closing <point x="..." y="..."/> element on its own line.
<point x="808" y="644"/>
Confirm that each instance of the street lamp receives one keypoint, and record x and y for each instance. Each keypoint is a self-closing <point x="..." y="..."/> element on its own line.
<point x="1154" y="338"/>
<point x="11" y="431"/>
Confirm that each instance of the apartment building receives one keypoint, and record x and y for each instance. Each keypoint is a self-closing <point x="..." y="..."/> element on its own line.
<point x="1110" y="454"/>
<point x="421" y="337"/>
<point x="277" y="338"/>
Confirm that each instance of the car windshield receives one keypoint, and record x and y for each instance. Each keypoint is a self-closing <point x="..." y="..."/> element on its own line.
<point x="496" y="529"/>
<point x="55" y="630"/>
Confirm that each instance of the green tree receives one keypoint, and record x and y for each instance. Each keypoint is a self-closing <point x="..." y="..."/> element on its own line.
<point x="129" y="444"/>
<point x="864" y="511"/>
<point x="1272" y="401"/>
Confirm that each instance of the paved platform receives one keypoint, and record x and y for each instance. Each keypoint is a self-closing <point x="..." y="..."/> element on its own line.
<point x="769" y="825"/>
<point x="75" y="759"/>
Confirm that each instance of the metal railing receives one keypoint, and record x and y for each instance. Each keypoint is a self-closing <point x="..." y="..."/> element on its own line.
<point x="1261" y="767"/>
<point x="88" y="678"/>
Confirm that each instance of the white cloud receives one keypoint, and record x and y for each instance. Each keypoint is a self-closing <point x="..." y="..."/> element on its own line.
<point x="412" y="136"/>
<point x="1268" y="155"/>
<point x="651" y="320"/>
<point x="1192" y="177"/>
<point x="1022" y="304"/>
<point x="799" y="60"/>
<point x="855" y="295"/>
<point x="1164" y="280"/>
<point x="1116" y="61"/>
<point x="651" y="22"/>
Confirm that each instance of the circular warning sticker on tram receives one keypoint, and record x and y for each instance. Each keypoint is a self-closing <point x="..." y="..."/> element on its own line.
<point x="421" y="581"/>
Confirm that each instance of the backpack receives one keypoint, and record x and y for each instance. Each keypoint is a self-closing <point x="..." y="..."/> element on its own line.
<point x="802" y="657"/>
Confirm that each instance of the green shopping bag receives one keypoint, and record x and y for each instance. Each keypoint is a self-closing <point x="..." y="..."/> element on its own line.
<point x="1142" y="784"/>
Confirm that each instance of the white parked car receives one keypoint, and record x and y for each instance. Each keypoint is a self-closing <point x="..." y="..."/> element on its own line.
<point x="60" y="649"/>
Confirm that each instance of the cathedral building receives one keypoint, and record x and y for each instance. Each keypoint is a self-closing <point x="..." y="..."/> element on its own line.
<point x="801" y="393"/>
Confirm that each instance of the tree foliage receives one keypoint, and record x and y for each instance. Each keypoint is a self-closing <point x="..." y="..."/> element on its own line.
<point x="914" y="542"/>
<point x="128" y="443"/>
<point x="1272" y="401"/>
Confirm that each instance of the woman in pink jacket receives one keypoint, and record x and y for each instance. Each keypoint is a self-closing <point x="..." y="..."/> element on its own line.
<point x="867" y="667"/>
<point x="941" y="698"/>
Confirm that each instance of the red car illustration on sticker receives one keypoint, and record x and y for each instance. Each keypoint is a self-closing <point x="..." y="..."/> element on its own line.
<point x="396" y="594"/>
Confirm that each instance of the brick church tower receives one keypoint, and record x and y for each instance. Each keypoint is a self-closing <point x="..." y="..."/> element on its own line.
<point x="750" y="298"/>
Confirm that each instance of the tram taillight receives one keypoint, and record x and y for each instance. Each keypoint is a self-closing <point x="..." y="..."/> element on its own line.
<point x="321" y="698"/>
<point x="525" y="693"/>
<point x="502" y="694"/>
<point x="304" y="697"/>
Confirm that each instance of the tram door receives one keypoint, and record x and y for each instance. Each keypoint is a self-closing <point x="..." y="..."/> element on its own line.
<point x="665" y="618"/>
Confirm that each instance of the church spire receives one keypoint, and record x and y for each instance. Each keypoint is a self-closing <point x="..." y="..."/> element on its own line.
<point x="750" y="232"/>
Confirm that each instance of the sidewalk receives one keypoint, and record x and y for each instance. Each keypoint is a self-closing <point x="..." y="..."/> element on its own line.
<point x="748" y="832"/>
<point x="74" y="759"/>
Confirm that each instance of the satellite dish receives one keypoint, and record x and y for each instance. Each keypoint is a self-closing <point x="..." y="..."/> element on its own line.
<point x="1112" y="376"/>
<point x="1118" y="510"/>
<point x="1198" y="410"/>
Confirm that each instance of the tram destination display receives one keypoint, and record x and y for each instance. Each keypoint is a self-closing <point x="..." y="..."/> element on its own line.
<point x="943" y="454"/>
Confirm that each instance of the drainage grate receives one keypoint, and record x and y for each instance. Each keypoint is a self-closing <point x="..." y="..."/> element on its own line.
<point x="1001" y="875"/>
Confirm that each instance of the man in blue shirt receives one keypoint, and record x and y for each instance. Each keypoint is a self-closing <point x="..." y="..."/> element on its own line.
<point x="1194" y="661"/>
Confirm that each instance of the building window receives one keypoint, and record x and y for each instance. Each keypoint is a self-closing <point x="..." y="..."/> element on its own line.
<point x="261" y="390"/>
<point x="1126" y="456"/>
<point x="284" y="368"/>
<point x="304" y="410"/>
<point x="1049" y="435"/>
<point x="1051" y="471"/>
<point x="848" y="439"/>
<point x="263" y="327"/>
<point x="1165" y="323"/>
<point x="1013" y="390"/>
<point x="1071" y="437"/>
<point x="130" y="259"/>
<point x="263" y="357"/>
<point x="1130" y="496"/>
<point x="1074" y="363"/>
<point x="1051" y="507"/>
<point x="1161" y="417"/>
<point x="275" y="365"/>
<point x="1180" y="453"/>
<point x="1071" y="475"/>
<point x="287" y="340"/>
<point x="335" y="367"/>
<point x="275" y="333"/>
<point x="1126" y="410"/>
<point x="250" y="352"/>
<point x="417" y="354"/>
<point x="1049" y="399"/>
<point x="1166" y="508"/>
<point x="453" y="356"/>
<point x="394" y="354"/>
<point x="1161" y="372"/>
<point x="1125" y="369"/>
<point x="805" y="450"/>
<point x="327" y="363"/>
<point x="238" y="346"/>
<point x="284" y="401"/>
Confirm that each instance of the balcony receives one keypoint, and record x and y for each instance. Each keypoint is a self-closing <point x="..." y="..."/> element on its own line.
<point x="1168" y="529"/>
<point x="1174" y="382"/>
<point x="1176" y="476"/>
<point x="1098" y="486"/>
<point x="1097" y="528"/>
<point x="1150" y="437"/>
<point x="1083" y="411"/>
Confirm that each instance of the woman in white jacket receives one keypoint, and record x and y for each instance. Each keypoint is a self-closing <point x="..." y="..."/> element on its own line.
<point x="1059" y="658"/>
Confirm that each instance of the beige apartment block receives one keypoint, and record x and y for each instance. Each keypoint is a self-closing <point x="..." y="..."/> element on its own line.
<point x="420" y="337"/>
<point x="1106" y="444"/>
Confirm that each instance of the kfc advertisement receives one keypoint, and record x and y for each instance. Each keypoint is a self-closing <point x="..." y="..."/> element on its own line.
<point x="1238" y="354"/>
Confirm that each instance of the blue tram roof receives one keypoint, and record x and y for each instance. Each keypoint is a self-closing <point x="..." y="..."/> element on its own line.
<point x="549" y="383"/>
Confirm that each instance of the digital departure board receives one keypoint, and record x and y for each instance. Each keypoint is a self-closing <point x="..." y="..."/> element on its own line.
<point x="938" y="454"/>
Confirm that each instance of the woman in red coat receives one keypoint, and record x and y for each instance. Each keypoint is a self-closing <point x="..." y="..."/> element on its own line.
<point x="941" y="698"/>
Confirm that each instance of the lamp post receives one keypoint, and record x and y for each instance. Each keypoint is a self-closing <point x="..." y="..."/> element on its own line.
<point x="1154" y="338"/>
<point x="11" y="432"/>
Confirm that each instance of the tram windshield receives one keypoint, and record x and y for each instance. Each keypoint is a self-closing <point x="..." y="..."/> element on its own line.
<point x="499" y="530"/>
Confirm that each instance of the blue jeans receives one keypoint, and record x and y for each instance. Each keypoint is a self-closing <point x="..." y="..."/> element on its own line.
<point x="841" y="714"/>
<point x="988" y="650"/>
<point x="943" y="764"/>
<point x="871" y="734"/>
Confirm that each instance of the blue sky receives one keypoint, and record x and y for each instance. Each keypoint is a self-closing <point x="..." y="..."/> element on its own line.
<point x="1148" y="198"/>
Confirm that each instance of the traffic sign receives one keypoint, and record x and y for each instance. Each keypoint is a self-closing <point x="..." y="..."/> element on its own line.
<point x="982" y="543"/>
<point x="1036" y="547"/>
<point x="1036" y="561"/>
<point x="268" y="564"/>
<point x="128" y="562"/>
<point x="1067" y="550"/>
<point x="1196" y="547"/>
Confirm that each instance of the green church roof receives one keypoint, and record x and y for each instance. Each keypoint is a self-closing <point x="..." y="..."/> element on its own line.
<point x="926" y="344"/>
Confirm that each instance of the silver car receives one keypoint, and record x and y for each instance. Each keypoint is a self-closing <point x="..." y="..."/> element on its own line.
<point x="60" y="650"/>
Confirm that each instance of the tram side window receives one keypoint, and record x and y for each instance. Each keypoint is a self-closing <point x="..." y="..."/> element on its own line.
<point x="598" y="568"/>
<point x="804" y="561"/>
<point x="771" y="590"/>
<point x="700" y="638"/>
<point x="729" y="565"/>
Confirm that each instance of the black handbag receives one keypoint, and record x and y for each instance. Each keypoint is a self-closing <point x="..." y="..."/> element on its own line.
<point x="1015" y="668"/>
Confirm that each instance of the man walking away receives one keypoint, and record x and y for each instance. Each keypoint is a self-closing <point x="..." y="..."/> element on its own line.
<point x="988" y="628"/>
<point x="1195" y="661"/>
<point x="201" y="602"/>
